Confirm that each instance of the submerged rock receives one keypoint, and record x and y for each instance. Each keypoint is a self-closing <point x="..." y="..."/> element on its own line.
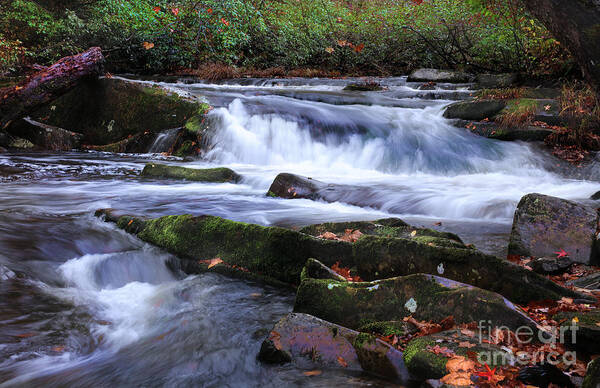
<point x="216" y="175"/>
<point x="544" y="226"/>
<point x="424" y="297"/>
<point x="474" y="110"/>
<point x="435" y="75"/>
<point x="311" y="342"/>
<point x="45" y="136"/>
<point x="592" y="375"/>
<point x="106" y="111"/>
<point x="423" y="363"/>
<point x="364" y="87"/>
<point x="280" y="254"/>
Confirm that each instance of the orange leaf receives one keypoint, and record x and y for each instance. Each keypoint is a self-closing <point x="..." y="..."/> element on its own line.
<point x="214" y="262"/>
<point x="342" y="362"/>
<point x="275" y="337"/>
<point x="330" y="50"/>
<point x="148" y="45"/>
<point x="359" y="48"/>
<point x="312" y="373"/>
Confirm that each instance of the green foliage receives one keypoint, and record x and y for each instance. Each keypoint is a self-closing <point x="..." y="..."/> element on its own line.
<point x="380" y="36"/>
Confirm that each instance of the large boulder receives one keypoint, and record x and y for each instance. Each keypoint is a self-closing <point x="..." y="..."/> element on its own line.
<point x="280" y="254"/>
<point x="592" y="375"/>
<point x="474" y="110"/>
<point x="545" y="225"/>
<point x="215" y="175"/>
<point x="422" y="296"/>
<point x="493" y="130"/>
<point x="313" y="343"/>
<point x="106" y="111"/>
<point x="45" y="136"/>
<point x="435" y="75"/>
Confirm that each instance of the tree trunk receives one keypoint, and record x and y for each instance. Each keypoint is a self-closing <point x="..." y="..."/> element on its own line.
<point x="48" y="84"/>
<point x="576" y="24"/>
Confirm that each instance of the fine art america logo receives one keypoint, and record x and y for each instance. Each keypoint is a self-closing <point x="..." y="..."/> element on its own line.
<point x="555" y="338"/>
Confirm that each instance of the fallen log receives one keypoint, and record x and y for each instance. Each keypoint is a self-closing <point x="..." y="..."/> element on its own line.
<point x="16" y="102"/>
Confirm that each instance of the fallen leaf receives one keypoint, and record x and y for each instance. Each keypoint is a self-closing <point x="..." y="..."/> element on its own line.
<point x="214" y="262"/>
<point x="58" y="349"/>
<point x="466" y="344"/>
<point x="148" y="45"/>
<point x="330" y="50"/>
<point x="342" y="362"/>
<point x="275" y="337"/>
<point x="460" y="379"/>
<point x="312" y="373"/>
<point x="460" y="364"/>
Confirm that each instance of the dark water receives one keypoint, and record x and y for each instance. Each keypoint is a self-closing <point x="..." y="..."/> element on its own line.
<point x="84" y="304"/>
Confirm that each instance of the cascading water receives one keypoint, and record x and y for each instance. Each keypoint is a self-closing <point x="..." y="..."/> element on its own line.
<point x="164" y="141"/>
<point x="84" y="304"/>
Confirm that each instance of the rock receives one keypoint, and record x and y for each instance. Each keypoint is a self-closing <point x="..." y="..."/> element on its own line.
<point x="387" y="328"/>
<point x="541" y="93"/>
<point x="139" y="143"/>
<point x="545" y="225"/>
<point x="595" y="196"/>
<point x="388" y="227"/>
<point x="275" y="255"/>
<point x="428" y="86"/>
<point x="5" y="139"/>
<point x="592" y="376"/>
<point x="585" y="336"/>
<point x="216" y="175"/>
<point x="45" y="136"/>
<point x="317" y="270"/>
<point x="3" y="150"/>
<point x="474" y="110"/>
<point x="355" y="304"/>
<point x="364" y="87"/>
<point x="424" y="364"/>
<point x="106" y="111"/>
<point x="401" y="257"/>
<point x="543" y="375"/>
<point x="495" y="81"/>
<point x="493" y="130"/>
<point x="6" y="273"/>
<point x="589" y="282"/>
<point x="290" y="186"/>
<point x="551" y="266"/>
<point x="434" y="75"/>
<point x="311" y="342"/>
<point x="20" y="143"/>
<point x="279" y="254"/>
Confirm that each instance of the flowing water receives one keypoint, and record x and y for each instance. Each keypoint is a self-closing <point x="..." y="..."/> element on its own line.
<point x="84" y="304"/>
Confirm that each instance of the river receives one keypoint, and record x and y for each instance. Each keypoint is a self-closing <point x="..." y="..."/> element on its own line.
<point x="84" y="304"/>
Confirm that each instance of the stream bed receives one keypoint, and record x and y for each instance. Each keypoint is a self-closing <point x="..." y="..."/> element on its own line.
<point x="84" y="304"/>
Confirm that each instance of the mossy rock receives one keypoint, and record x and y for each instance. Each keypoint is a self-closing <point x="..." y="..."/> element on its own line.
<point x="435" y="75"/>
<point x="544" y="225"/>
<point x="313" y="343"/>
<point x="44" y="136"/>
<point x="106" y="111"/>
<point x="269" y="252"/>
<point x="401" y="257"/>
<point x="474" y="110"/>
<point x="592" y="375"/>
<point x="388" y="227"/>
<point x="355" y="305"/>
<point x="364" y="87"/>
<point x="583" y="335"/>
<point x="282" y="253"/>
<point x="314" y="269"/>
<point x="425" y="364"/>
<point x="214" y="175"/>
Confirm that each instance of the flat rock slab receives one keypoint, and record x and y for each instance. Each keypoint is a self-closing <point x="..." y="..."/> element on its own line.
<point x="474" y="110"/>
<point x="310" y="342"/>
<point x="425" y="297"/>
<point x="589" y="282"/>
<point x="213" y="175"/>
<point x="544" y="225"/>
<point x="492" y="130"/>
<point x="45" y="136"/>
<point x="435" y="75"/>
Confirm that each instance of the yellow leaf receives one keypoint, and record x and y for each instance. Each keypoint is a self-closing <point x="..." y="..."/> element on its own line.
<point x="330" y="50"/>
<point x="214" y="262"/>
<point x="413" y="233"/>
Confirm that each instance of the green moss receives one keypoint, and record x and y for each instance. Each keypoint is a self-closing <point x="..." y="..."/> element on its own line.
<point x="218" y="175"/>
<point x="186" y="149"/>
<point x="423" y="363"/>
<point x="385" y="329"/>
<point x="363" y="339"/>
<point x="439" y="242"/>
<point x="592" y="375"/>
